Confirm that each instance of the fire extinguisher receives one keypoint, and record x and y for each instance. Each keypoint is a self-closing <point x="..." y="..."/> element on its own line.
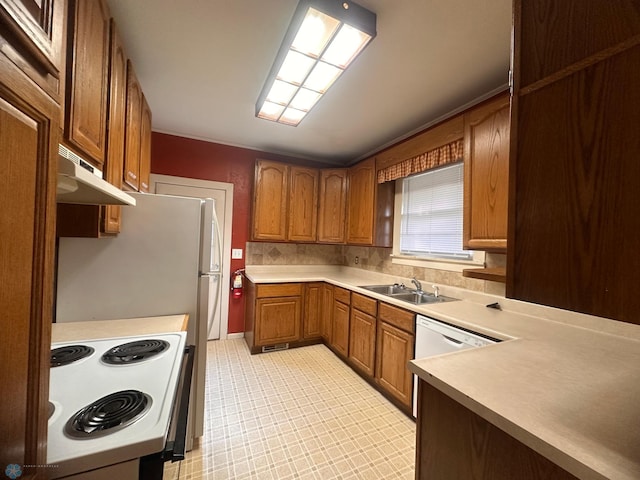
<point x="236" y="284"/>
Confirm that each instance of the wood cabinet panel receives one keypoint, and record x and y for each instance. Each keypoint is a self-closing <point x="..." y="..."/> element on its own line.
<point x="270" y="201"/>
<point x="556" y="35"/>
<point x="145" y="146"/>
<point x="454" y="442"/>
<point x="326" y="323"/>
<point x="313" y="302"/>
<point x="577" y="214"/>
<point x="398" y="317"/>
<point x="111" y="214"/>
<point x="278" y="320"/>
<point x="32" y="36"/>
<point x="29" y="121"/>
<point x="361" y="203"/>
<point x="394" y="349"/>
<point x="340" y="330"/>
<point x="362" y="341"/>
<point x="303" y="204"/>
<point x="278" y="290"/>
<point x="333" y="204"/>
<point x="364" y="304"/>
<point x="486" y="175"/>
<point x="133" y="128"/>
<point x="342" y="295"/>
<point x="88" y="85"/>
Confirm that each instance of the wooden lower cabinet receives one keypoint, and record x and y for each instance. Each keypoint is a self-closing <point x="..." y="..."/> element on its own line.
<point x="362" y="333"/>
<point x="273" y="314"/>
<point x="326" y="321"/>
<point x="340" y="321"/>
<point x="313" y="311"/>
<point x="454" y="442"/>
<point x="394" y="349"/>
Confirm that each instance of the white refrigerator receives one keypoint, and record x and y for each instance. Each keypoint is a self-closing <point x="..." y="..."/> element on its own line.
<point x="166" y="261"/>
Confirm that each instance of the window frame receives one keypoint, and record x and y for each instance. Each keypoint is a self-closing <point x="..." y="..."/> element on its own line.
<point x="438" y="263"/>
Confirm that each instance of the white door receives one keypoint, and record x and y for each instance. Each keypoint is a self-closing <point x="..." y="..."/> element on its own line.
<point x="222" y="193"/>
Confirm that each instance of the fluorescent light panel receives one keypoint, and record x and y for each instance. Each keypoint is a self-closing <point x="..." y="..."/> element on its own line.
<point x="325" y="36"/>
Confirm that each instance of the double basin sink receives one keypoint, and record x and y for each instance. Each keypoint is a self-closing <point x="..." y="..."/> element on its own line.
<point x="409" y="295"/>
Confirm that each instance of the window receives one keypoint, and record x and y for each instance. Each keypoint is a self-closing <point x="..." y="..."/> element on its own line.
<point x="429" y="217"/>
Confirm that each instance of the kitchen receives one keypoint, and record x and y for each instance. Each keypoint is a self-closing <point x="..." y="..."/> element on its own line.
<point x="592" y="272"/>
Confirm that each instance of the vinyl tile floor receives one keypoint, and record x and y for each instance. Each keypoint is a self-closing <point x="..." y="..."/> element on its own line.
<point x="294" y="414"/>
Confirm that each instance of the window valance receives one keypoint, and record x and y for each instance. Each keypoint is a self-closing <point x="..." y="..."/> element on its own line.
<point x="449" y="153"/>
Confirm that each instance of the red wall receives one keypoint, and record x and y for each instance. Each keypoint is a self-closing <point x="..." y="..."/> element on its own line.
<point x="184" y="157"/>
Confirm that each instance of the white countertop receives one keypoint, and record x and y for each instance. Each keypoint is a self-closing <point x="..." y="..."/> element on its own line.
<point x="565" y="384"/>
<point x="95" y="329"/>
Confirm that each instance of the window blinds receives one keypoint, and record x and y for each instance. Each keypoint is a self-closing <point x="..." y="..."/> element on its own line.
<point x="431" y="223"/>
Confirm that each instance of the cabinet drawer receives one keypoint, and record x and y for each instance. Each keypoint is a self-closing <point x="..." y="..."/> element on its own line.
<point x="364" y="304"/>
<point x="279" y="290"/>
<point x="342" y="295"/>
<point x="396" y="316"/>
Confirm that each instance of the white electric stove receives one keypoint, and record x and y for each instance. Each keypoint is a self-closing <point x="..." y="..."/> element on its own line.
<point x="114" y="408"/>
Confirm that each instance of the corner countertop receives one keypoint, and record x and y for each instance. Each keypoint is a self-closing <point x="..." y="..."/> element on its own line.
<point x="565" y="384"/>
<point x="95" y="329"/>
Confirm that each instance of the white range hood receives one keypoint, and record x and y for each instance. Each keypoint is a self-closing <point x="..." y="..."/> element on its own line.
<point x="79" y="182"/>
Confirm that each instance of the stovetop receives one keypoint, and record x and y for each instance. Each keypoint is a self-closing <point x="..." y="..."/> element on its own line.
<point x="76" y="385"/>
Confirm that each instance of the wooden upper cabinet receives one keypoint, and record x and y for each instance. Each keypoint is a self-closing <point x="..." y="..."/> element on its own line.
<point x="145" y="146"/>
<point x="333" y="203"/>
<point x="87" y="88"/>
<point x="270" y="201"/>
<point x="34" y="41"/>
<point x="111" y="214"/>
<point x="486" y="175"/>
<point x="131" y="170"/>
<point x="29" y="128"/>
<point x="303" y="204"/>
<point x="361" y="202"/>
<point x="557" y="35"/>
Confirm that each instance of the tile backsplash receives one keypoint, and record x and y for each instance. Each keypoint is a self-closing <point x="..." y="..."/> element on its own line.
<point x="369" y="258"/>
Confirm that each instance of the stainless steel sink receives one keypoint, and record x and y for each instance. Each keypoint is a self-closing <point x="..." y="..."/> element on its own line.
<point x="409" y="295"/>
<point x="420" y="298"/>
<point x="387" y="289"/>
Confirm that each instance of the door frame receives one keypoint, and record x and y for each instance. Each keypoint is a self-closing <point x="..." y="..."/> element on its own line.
<point x="226" y="234"/>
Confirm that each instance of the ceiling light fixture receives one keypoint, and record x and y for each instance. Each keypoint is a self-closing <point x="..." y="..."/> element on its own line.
<point x="323" y="39"/>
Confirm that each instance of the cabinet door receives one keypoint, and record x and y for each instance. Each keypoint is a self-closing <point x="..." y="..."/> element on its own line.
<point x="340" y="330"/>
<point x="394" y="349"/>
<point x="37" y="45"/>
<point x="361" y="203"/>
<point x="277" y="320"/>
<point x="486" y="176"/>
<point x="89" y="82"/>
<point x="313" y="301"/>
<point x="132" y="132"/>
<point x="303" y="204"/>
<point x="28" y="160"/>
<point x="333" y="203"/>
<point x="115" y="141"/>
<point x="145" y="146"/>
<point x="362" y="341"/>
<point x="326" y="323"/>
<point x="270" y="201"/>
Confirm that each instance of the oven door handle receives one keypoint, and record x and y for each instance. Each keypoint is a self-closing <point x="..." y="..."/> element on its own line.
<point x="175" y="450"/>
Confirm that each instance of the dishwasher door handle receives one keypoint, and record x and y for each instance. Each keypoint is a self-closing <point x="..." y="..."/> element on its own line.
<point x="456" y="343"/>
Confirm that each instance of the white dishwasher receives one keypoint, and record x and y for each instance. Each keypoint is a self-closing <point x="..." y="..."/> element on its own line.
<point x="435" y="338"/>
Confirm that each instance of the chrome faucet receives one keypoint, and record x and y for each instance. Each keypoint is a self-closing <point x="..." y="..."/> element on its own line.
<point x="436" y="291"/>
<point x="417" y="284"/>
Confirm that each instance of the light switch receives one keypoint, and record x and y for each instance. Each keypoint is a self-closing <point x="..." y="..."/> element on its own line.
<point x="236" y="253"/>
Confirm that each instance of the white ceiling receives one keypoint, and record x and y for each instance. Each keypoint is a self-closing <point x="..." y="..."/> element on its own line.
<point x="202" y="64"/>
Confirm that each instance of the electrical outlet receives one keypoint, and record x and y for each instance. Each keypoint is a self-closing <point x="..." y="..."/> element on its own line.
<point x="357" y="260"/>
<point x="236" y="253"/>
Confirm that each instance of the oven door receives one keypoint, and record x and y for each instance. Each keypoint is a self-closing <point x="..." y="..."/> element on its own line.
<point x="152" y="466"/>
